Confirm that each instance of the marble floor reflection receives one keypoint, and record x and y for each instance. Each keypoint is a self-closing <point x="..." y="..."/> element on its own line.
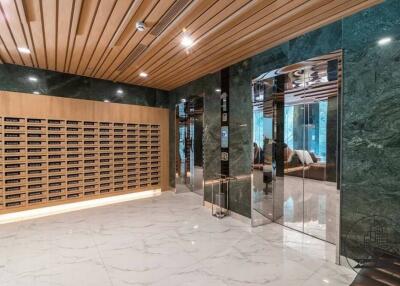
<point x="313" y="211"/>
<point x="167" y="240"/>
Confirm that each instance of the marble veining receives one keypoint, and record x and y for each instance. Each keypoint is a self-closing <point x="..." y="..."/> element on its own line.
<point x="168" y="240"/>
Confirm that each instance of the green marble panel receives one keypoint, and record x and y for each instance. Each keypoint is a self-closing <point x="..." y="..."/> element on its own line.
<point x="16" y="78"/>
<point x="371" y="122"/>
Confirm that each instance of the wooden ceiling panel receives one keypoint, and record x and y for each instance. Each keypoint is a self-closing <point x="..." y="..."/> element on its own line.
<point x="10" y="11"/>
<point x="65" y="11"/>
<point x="272" y="14"/>
<point x="85" y="24"/>
<point x="117" y="51"/>
<point x="98" y="38"/>
<point x="119" y="14"/>
<point x="168" y="40"/>
<point x="50" y="31"/>
<point x="192" y="23"/>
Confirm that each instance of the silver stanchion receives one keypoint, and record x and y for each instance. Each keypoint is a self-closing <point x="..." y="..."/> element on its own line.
<point x="220" y="199"/>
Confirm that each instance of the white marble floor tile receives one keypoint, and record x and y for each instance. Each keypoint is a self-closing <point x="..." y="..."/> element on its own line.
<point x="167" y="240"/>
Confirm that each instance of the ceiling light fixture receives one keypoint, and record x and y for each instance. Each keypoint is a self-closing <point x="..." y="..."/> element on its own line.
<point x="32" y="78"/>
<point x="186" y="41"/>
<point x="218" y="90"/>
<point x="140" y="26"/>
<point x="24" y="50"/>
<point x="143" y="74"/>
<point x="384" y="41"/>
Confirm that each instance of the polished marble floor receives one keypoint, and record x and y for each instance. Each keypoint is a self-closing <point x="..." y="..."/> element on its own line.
<point x="306" y="205"/>
<point x="166" y="240"/>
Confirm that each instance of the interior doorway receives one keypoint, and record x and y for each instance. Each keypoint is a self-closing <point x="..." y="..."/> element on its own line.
<point x="189" y="145"/>
<point x="296" y="135"/>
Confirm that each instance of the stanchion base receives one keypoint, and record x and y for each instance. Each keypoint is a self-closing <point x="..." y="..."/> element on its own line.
<point x="220" y="215"/>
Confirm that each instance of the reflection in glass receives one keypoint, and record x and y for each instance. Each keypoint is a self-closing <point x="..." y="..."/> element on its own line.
<point x="296" y="144"/>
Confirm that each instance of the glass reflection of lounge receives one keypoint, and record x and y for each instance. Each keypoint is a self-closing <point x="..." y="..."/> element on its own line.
<point x="295" y="122"/>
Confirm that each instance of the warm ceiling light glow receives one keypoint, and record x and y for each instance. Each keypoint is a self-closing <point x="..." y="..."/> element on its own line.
<point x="384" y="41"/>
<point x="106" y="100"/>
<point x="36" y="92"/>
<point x="32" y="78"/>
<point x="186" y="41"/>
<point x="143" y="74"/>
<point x="120" y="91"/>
<point x="24" y="50"/>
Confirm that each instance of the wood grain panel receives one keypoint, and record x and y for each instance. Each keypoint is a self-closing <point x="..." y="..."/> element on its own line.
<point x="98" y="38"/>
<point x="58" y="150"/>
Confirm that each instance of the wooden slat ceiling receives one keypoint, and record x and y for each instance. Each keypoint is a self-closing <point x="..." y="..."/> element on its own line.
<point x="98" y="38"/>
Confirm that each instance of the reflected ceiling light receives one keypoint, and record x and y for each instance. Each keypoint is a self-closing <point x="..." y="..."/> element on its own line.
<point x="36" y="92"/>
<point x="24" y="50"/>
<point x="143" y="74"/>
<point x="106" y="100"/>
<point x="120" y="91"/>
<point x="32" y="78"/>
<point x="384" y="41"/>
<point x="218" y="90"/>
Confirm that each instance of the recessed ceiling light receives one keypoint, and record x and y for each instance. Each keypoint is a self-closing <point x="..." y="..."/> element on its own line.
<point x="218" y="90"/>
<point x="36" y="92"/>
<point x="106" y="100"/>
<point x="32" y="78"/>
<point x="120" y="91"/>
<point x="384" y="41"/>
<point x="24" y="50"/>
<point x="186" y="41"/>
<point x="143" y="74"/>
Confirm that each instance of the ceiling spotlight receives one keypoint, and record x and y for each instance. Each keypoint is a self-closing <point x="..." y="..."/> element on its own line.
<point x="32" y="78"/>
<point x="186" y="41"/>
<point x="24" y="50"/>
<point x="106" y="100"/>
<point x="384" y="41"/>
<point x="143" y="74"/>
<point x="36" y="92"/>
<point x="140" y="26"/>
<point x="120" y="91"/>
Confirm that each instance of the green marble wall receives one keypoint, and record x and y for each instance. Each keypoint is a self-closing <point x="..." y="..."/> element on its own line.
<point x="240" y="137"/>
<point x="15" y="78"/>
<point x="371" y="121"/>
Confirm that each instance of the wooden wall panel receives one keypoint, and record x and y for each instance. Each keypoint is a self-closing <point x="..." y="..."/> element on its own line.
<point x="56" y="150"/>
